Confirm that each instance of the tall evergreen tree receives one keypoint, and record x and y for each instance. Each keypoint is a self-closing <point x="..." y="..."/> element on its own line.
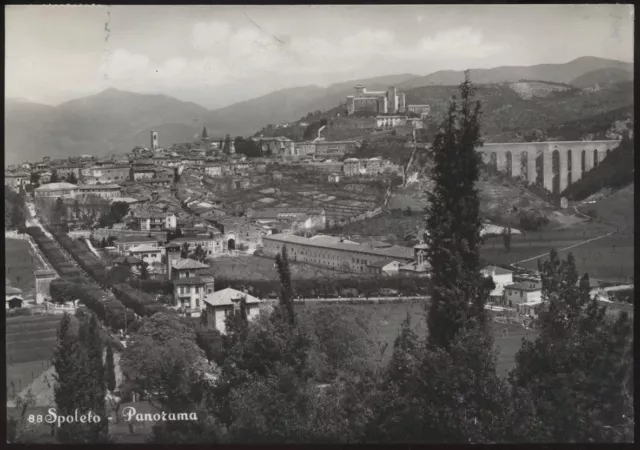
<point x="54" y="177"/>
<point x="91" y="386"/>
<point x="72" y="178"/>
<point x="453" y="222"/>
<point x="144" y="271"/>
<point x="205" y="135"/>
<point x="286" y="294"/>
<point x="67" y="375"/>
<point x="110" y="369"/>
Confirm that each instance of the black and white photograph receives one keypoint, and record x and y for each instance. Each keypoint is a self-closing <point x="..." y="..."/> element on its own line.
<point x="319" y="224"/>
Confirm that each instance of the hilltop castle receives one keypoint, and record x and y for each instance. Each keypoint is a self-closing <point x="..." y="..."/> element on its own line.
<point x="381" y="102"/>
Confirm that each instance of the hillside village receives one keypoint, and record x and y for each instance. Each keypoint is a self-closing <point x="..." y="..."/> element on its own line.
<point x="199" y="221"/>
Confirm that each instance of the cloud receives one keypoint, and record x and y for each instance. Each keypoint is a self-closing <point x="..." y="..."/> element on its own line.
<point x="206" y="35"/>
<point x="459" y="43"/>
<point x="225" y="55"/>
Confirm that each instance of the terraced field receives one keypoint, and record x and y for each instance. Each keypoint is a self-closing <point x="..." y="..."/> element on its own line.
<point x="30" y="341"/>
<point x="19" y="264"/>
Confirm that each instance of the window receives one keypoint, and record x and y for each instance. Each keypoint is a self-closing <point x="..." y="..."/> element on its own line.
<point x="197" y="303"/>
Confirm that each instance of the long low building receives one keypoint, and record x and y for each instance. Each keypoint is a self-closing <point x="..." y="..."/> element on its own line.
<point x="332" y="254"/>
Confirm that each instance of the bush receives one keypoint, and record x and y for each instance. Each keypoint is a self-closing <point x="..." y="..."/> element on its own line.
<point x="531" y="222"/>
<point x="591" y="213"/>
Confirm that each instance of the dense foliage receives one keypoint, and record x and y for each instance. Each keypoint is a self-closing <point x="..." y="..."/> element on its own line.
<point x="614" y="172"/>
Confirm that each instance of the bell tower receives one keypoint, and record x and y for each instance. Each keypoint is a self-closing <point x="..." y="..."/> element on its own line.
<point x="173" y="254"/>
<point x="154" y="140"/>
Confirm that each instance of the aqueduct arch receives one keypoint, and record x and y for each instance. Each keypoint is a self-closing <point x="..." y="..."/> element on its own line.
<point x="571" y="160"/>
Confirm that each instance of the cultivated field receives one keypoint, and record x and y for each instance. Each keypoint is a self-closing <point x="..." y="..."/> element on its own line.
<point x="255" y="268"/>
<point x="609" y="258"/>
<point x="386" y="321"/>
<point x="30" y="341"/>
<point x="19" y="264"/>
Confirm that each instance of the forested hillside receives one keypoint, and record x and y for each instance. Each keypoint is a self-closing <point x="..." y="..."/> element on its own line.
<point x="614" y="172"/>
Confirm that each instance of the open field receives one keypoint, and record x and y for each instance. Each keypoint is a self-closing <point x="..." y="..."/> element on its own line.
<point x="19" y="265"/>
<point x="386" y="320"/>
<point x="610" y="258"/>
<point x="255" y="268"/>
<point x="30" y="341"/>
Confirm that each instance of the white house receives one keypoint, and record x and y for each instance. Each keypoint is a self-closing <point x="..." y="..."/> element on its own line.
<point x="190" y="293"/>
<point x="223" y="303"/>
<point x="147" y="253"/>
<point x="524" y="292"/>
<point x="385" y="267"/>
<point x="501" y="278"/>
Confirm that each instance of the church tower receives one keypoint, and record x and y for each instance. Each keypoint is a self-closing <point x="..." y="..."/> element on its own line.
<point x="154" y="140"/>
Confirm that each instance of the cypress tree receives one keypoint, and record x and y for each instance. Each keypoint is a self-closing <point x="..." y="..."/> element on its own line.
<point x="67" y="374"/>
<point x="110" y="369"/>
<point x="286" y="295"/>
<point x="91" y="386"/>
<point x="453" y="222"/>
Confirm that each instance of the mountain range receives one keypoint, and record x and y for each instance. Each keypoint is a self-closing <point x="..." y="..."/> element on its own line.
<point x="114" y="121"/>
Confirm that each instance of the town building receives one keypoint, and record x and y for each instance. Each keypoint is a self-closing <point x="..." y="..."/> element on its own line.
<point x="325" y="166"/>
<point x="143" y="174"/>
<point x="212" y="244"/>
<point x="334" y="149"/>
<point x="13" y="297"/>
<point x="501" y="278"/>
<point x="45" y="177"/>
<point x="17" y="179"/>
<point x="221" y="304"/>
<point x="382" y="102"/>
<point x="307" y="148"/>
<point x="105" y="172"/>
<point x="422" y="110"/>
<point x="66" y="170"/>
<point x="147" y="253"/>
<point x="387" y="266"/>
<point x="156" y="221"/>
<point x="355" y="166"/>
<point x="189" y="294"/>
<point x="125" y="243"/>
<point x="275" y="146"/>
<point x="305" y="218"/>
<point x="109" y="191"/>
<point x="185" y="268"/>
<point x="529" y="292"/>
<point x="335" y="255"/>
<point x="390" y="121"/>
<point x="333" y="178"/>
<point x="420" y="266"/>
<point x="56" y="190"/>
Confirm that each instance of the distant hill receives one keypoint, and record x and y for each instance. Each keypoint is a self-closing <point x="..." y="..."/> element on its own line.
<point x="602" y="77"/>
<point x="111" y="121"/>
<point x="559" y="73"/>
<point x="289" y="105"/>
<point x="116" y="121"/>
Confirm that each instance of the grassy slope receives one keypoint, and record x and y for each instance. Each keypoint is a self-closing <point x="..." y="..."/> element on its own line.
<point x="19" y="265"/>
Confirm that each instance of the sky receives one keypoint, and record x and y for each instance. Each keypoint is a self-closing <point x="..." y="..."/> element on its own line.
<point x="219" y="55"/>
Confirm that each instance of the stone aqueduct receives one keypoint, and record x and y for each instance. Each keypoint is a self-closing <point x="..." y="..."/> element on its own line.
<point x="563" y="162"/>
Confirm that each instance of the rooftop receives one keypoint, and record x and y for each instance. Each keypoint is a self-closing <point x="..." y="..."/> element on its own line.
<point x="135" y="239"/>
<point x="55" y="187"/>
<point x="10" y="290"/>
<point x="229" y="296"/>
<point x="198" y="238"/>
<point x="529" y="286"/>
<point x="382" y="262"/>
<point x="188" y="263"/>
<point x="98" y="186"/>
<point x="494" y="270"/>
<point x="144" y="248"/>
<point x="389" y="252"/>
